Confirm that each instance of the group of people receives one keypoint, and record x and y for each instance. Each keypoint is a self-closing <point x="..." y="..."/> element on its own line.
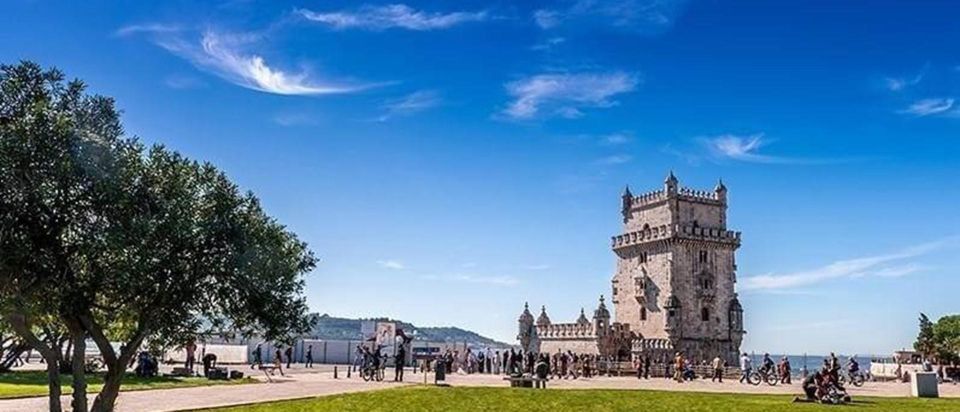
<point x="824" y="385"/>
<point x="559" y="365"/>
<point x="279" y="356"/>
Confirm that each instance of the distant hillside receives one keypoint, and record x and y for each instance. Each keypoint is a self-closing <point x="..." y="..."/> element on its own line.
<point x="329" y="327"/>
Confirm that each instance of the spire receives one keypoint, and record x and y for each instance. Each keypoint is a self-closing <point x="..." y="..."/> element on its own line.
<point x="626" y="191"/>
<point x="670" y="183"/>
<point x="601" y="312"/>
<point x="526" y="316"/>
<point x="543" y="319"/>
<point x="671" y="179"/>
<point x="720" y="186"/>
<point x="583" y="318"/>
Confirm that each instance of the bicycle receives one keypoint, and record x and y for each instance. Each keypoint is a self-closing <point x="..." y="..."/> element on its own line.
<point x="856" y="378"/>
<point x="371" y="371"/>
<point x="767" y="375"/>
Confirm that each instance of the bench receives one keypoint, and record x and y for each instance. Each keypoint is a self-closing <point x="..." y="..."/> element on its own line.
<point x="526" y="382"/>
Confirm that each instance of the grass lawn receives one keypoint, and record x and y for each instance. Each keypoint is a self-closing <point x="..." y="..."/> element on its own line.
<point x="554" y="400"/>
<point x="34" y="383"/>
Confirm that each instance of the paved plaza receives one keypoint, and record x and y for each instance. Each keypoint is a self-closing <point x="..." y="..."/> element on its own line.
<point x="301" y="383"/>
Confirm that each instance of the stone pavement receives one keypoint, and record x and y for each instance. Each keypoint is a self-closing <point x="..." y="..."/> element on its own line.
<point x="319" y="382"/>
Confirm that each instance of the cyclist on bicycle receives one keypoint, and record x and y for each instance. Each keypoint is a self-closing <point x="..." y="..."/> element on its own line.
<point x="766" y="365"/>
<point x="853" y="367"/>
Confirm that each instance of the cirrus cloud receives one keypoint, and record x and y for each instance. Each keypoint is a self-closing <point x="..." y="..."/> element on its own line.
<point x="928" y="107"/>
<point x="392" y="16"/>
<point x="566" y="94"/>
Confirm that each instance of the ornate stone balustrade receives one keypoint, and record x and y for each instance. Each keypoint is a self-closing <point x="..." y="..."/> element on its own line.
<point x="566" y="331"/>
<point x="675" y="231"/>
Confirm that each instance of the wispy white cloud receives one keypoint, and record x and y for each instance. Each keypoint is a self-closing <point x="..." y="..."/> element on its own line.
<point x="224" y="55"/>
<point x="614" y="139"/>
<point x="896" y="84"/>
<point x="548" y="44"/>
<point x="391" y="16"/>
<point x="887" y="265"/>
<point x="743" y="148"/>
<point x="412" y="103"/>
<point x="651" y="16"/>
<point x="617" y="159"/>
<point x="152" y="28"/>
<point x="391" y="264"/>
<point x="566" y="94"/>
<point x="547" y="19"/>
<point x="488" y="280"/>
<point x="929" y="107"/>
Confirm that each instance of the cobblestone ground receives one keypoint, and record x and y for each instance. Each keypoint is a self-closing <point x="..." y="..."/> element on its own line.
<point x="302" y="383"/>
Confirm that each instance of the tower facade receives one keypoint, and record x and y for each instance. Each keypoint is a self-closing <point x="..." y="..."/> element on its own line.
<point x="674" y="285"/>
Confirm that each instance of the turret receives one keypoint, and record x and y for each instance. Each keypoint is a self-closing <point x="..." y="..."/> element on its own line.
<point x="525" y="327"/>
<point x="543" y="320"/>
<point x="671" y="184"/>
<point x="582" y="320"/>
<point x="627" y="202"/>
<point x="721" y="191"/>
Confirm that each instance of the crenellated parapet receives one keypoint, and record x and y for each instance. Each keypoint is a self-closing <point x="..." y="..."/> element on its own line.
<point x="702" y="196"/>
<point x="678" y="231"/>
<point x="567" y="331"/>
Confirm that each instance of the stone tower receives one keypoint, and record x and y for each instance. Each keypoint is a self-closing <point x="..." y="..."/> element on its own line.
<point x="676" y="272"/>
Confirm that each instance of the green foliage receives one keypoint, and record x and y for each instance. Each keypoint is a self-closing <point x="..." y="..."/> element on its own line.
<point x="947" y="335"/>
<point x="104" y="237"/>
<point x="468" y="399"/>
<point x="926" y="342"/>
<point x="939" y="340"/>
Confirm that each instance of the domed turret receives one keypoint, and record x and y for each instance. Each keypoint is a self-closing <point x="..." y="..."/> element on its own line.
<point x="543" y="320"/>
<point x="601" y="312"/>
<point x="582" y="320"/>
<point x="671" y="183"/>
<point x="526" y="316"/>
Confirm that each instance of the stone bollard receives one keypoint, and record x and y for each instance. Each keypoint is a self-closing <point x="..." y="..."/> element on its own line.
<point x="348" y="371"/>
<point x="335" y="372"/>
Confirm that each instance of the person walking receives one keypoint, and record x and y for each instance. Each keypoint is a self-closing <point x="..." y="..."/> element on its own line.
<point x="745" y="368"/>
<point x="358" y="358"/>
<point x="646" y="367"/>
<point x="678" y="363"/>
<point x="309" y="357"/>
<point x="398" y="360"/>
<point x="278" y="361"/>
<point x="257" y="357"/>
<point x="191" y="349"/>
<point x="718" y="365"/>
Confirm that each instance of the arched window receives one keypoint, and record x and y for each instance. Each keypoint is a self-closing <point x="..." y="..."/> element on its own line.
<point x="643" y="313"/>
<point x="705" y="314"/>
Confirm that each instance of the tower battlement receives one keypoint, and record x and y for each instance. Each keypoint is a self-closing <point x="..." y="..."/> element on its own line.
<point x="665" y="232"/>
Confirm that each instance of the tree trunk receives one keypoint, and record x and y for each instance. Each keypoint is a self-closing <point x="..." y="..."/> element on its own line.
<point x="18" y="322"/>
<point x="107" y="398"/>
<point x="78" y="360"/>
<point x="53" y="381"/>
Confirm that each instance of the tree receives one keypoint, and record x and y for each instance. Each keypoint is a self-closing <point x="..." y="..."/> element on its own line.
<point x="946" y="332"/>
<point x="52" y="141"/>
<point x="100" y="237"/>
<point x="926" y="342"/>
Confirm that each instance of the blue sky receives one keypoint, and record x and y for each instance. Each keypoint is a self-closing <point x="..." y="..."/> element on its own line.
<point x="450" y="160"/>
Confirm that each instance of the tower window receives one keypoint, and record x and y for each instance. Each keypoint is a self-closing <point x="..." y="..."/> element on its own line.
<point x="703" y="256"/>
<point x="705" y="314"/>
<point x="643" y="257"/>
<point x="643" y="313"/>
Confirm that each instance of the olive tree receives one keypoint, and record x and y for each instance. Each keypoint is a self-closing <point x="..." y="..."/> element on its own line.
<point x="104" y="238"/>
